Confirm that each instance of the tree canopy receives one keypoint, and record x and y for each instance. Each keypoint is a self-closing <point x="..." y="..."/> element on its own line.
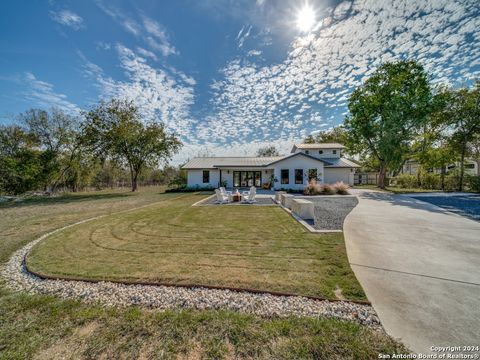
<point x="266" y="151"/>
<point x="115" y="129"/>
<point x="385" y="113"/>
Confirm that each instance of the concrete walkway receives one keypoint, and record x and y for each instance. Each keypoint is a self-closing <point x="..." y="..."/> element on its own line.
<point x="420" y="267"/>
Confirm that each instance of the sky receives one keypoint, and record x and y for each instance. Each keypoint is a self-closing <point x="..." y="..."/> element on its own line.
<point x="226" y="76"/>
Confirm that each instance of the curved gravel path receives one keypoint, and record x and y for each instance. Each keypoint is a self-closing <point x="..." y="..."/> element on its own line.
<point x="18" y="278"/>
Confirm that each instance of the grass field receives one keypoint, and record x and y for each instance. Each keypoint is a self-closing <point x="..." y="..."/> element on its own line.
<point x="44" y="327"/>
<point x="252" y="247"/>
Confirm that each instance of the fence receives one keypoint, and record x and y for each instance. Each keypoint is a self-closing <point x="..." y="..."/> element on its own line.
<point x="365" y="179"/>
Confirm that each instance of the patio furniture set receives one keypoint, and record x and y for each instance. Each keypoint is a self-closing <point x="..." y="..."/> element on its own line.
<point x="246" y="197"/>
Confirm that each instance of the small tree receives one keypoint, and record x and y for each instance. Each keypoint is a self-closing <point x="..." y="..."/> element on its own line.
<point x="115" y="129"/>
<point x="266" y="151"/>
<point x="385" y="113"/>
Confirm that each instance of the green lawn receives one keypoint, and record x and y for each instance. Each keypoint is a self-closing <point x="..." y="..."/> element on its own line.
<point x="45" y="327"/>
<point x="251" y="247"/>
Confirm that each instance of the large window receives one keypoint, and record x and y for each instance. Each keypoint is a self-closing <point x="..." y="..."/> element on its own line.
<point x="298" y="176"/>
<point x="247" y="178"/>
<point x="206" y="176"/>
<point x="285" y="176"/>
<point x="312" y="174"/>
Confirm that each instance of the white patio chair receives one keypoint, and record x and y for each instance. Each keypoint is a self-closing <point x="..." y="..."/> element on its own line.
<point x="225" y="192"/>
<point x="221" y="198"/>
<point x="249" y="196"/>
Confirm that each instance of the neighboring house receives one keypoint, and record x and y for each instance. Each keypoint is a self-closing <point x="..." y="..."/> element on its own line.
<point x="412" y="167"/>
<point x="323" y="162"/>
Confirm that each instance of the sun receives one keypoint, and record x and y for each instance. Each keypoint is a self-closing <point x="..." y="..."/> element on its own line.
<point x="306" y="18"/>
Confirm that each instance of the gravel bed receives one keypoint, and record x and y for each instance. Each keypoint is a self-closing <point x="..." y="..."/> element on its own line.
<point x="330" y="212"/>
<point x="18" y="278"/>
<point x="466" y="205"/>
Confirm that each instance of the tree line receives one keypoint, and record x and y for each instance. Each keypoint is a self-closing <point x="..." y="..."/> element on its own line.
<point x="397" y="115"/>
<point x="107" y="146"/>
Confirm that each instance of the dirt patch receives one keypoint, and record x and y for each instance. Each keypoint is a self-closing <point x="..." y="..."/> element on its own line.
<point x="70" y="347"/>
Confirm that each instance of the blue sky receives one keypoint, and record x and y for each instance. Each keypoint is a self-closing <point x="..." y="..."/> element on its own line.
<point x="226" y="76"/>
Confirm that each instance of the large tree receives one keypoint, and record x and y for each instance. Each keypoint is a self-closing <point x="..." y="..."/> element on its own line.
<point x="266" y="151"/>
<point x="115" y="129"/>
<point x="21" y="163"/>
<point x="462" y="110"/>
<point x="385" y="113"/>
<point x="56" y="134"/>
<point x="336" y="134"/>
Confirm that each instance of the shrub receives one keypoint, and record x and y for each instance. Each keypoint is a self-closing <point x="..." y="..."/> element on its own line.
<point x="429" y="181"/>
<point x="328" y="189"/>
<point x="473" y="183"/>
<point x="313" y="188"/>
<point x="452" y="180"/>
<point x="341" y="188"/>
<point x="406" y="181"/>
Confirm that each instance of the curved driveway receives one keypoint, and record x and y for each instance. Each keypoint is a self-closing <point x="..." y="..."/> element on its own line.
<point x="419" y="266"/>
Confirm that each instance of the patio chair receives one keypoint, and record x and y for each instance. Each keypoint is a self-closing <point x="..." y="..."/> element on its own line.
<point x="221" y="197"/>
<point x="225" y="192"/>
<point x="249" y="196"/>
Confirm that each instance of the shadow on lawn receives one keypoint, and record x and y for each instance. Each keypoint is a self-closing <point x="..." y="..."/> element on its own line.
<point x="64" y="199"/>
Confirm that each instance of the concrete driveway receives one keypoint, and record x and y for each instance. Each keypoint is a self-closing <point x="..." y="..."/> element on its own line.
<point x="419" y="266"/>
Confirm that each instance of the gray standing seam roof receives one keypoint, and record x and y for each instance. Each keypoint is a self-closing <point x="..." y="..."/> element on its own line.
<point x="216" y="162"/>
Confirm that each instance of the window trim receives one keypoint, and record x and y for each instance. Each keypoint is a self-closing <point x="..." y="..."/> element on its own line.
<point x="206" y="172"/>
<point x="297" y="179"/>
<point x="287" y="178"/>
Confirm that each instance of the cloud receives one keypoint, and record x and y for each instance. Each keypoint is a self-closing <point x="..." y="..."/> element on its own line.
<point x="309" y="89"/>
<point x="67" y="18"/>
<point x="162" y="94"/>
<point x="148" y="30"/>
<point x="42" y="94"/>
<point x="157" y="38"/>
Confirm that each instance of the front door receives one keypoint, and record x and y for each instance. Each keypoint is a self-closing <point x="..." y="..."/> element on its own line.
<point x="247" y="178"/>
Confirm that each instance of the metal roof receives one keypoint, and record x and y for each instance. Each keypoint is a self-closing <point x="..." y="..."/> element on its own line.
<point x="219" y="162"/>
<point x="214" y="162"/>
<point x="318" y="146"/>
<point x="341" y="163"/>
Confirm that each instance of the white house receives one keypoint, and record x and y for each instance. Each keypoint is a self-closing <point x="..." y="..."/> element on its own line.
<point x="323" y="162"/>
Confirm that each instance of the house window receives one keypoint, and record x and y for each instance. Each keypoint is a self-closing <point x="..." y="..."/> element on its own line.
<point x="334" y="151"/>
<point x="320" y="151"/>
<point x="469" y="166"/>
<point x="284" y="176"/>
<point x="206" y="176"/>
<point x="307" y="152"/>
<point x="298" y="176"/>
<point x="312" y="174"/>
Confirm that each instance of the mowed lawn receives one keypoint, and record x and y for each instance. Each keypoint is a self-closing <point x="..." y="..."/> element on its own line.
<point x="250" y="247"/>
<point x="46" y="327"/>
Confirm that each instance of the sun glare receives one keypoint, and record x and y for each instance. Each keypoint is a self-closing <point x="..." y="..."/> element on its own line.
<point x="306" y="18"/>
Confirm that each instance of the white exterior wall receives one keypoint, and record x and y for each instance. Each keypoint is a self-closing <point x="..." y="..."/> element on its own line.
<point x="326" y="153"/>
<point x="296" y="162"/>
<point x="332" y="175"/>
<point x="195" y="178"/>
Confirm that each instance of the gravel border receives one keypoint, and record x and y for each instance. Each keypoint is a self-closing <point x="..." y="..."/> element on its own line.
<point x="18" y="278"/>
<point x="330" y="213"/>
